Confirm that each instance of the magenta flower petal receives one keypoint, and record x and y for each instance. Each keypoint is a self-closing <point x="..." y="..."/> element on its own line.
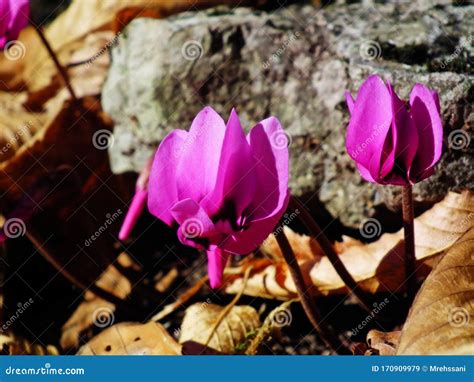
<point x="365" y="173"/>
<point x="350" y="102"/>
<point x="425" y="113"/>
<point x="248" y="240"/>
<point x="235" y="174"/>
<point x="268" y="145"/>
<point x="162" y="183"/>
<point x="196" y="172"/>
<point x="216" y="262"/>
<point x="436" y="100"/>
<point x="194" y="223"/>
<point x="136" y="208"/>
<point x="13" y="19"/>
<point x="405" y="137"/>
<point x="4" y="21"/>
<point x="370" y="125"/>
<point x="268" y="142"/>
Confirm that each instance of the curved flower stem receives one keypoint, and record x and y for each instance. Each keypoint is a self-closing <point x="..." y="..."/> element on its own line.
<point x="329" y="251"/>
<point x="409" y="232"/>
<point x="59" y="67"/>
<point x="304" y="293"/>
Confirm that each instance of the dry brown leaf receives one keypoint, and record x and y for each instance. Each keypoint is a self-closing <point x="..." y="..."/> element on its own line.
<point x="441" y="318"/>
<point x="359" y="348"/>
<point x="14" y="345"/>
<point x="200" y="319"/>
<point x="95" y="311"/>
<point x="304" y="247"/>
<point x="377" y="266"/>
<point x="383" y="343"/>
<point x="64" y="140"/>
<point x="17" y="124"/>
<point x="182" y="299"/>
<point x="132" y="339"/>
<point x="80" y="22"/>
<point x="164" y="282"/>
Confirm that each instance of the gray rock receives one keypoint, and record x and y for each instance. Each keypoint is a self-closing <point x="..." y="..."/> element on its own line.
<point x="295" y="63"/>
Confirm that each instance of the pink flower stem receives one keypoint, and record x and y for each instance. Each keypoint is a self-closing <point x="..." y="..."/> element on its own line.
<point x="305" y="294"/>
<point x="59" y="67"/>
<point x="409" y="232"/>
<point x="331" y="254"/>
<point x="136" y="208"/>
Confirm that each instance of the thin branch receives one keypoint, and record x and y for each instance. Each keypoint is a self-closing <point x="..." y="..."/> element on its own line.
<point x="58" y="65"/>
<point x="229" y="307"/>
<point x="305" y="295"/>
<point x="98" y="291"/>
<point x="331" y="254"/>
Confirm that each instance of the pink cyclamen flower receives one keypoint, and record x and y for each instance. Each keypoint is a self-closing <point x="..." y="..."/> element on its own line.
<point x="390" y="141"/>
<point x="13" y="18"/>
<point x="223" y="190"/>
